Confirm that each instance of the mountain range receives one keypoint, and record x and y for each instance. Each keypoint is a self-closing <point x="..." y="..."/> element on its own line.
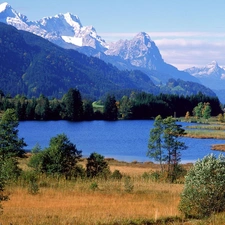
<point x="212" y="76"/>
<point x="67" y="31"/>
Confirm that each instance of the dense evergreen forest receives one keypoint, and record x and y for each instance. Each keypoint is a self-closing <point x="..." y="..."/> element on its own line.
<point x="136" y="105"/>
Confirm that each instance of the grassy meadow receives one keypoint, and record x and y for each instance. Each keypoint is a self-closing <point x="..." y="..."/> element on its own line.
<point x="138" y="201"/>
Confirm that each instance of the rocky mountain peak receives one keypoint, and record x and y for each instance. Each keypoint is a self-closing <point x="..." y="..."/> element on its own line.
<point x="143" y="38"/>
<point x="140" y="51"/>
<point x="210" y="70"/>
<point x="212" y="67"/>
<point x="67" y="31"/>
<point x="10" y="16"/>
<point x="7" y="9"/>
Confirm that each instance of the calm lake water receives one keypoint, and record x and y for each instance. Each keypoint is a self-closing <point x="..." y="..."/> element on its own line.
<point x="122" y="140"/>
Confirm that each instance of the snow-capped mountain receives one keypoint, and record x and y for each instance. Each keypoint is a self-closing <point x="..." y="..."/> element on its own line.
<point x="212" y="71"/>
<point x="10" y="16"/>
<point x="141" y="51"/>
<point x="67" y="31"/>
<point x="212" y="76"/>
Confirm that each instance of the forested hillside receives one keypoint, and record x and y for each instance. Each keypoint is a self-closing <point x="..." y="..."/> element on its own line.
<point x="31" y="65"/>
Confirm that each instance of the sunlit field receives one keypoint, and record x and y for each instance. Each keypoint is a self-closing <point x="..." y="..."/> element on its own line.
<point x="111" y="202"/>
<point x="76" y="202"/>
<point x="79" y="205"/>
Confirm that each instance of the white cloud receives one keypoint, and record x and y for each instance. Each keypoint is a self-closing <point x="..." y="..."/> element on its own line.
<point x="183" y="49"/>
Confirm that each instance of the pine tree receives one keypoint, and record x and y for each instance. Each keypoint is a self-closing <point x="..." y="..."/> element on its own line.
<point x="110" y="108"/>
<point x="10" y="144"/>
<point x="73" y="105"/>
<point x="164" y="145"/>
<point x="155" y="144"/>
<point x="173" y="146"/>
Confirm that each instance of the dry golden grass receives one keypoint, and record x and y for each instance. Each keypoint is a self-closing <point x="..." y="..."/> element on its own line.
<point x="218" y="147"/>
<point x="80" y="205"/>
<point x="73" y="202"/>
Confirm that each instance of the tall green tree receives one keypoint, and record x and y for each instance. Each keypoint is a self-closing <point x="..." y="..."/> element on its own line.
<point x="11" y="146"/>
<point x="20" y="107"/>
<point x="30" y="109"/>
<point x="207" y="111"/>
<point x="88" y="110"/>
<point x="155" y="143"/>
<point x="55" y="109"/>
<point x="125" y="108"/>
<point x="73" y="105"/>
<point x="164" y="145"/>
<point x="198" y="110"/>
<point x="172" y="145"/>
<point x="110" y="108"/>
<point x="42" y="110"/>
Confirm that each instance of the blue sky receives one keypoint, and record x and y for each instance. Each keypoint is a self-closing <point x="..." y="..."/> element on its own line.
<point x="187" y="32"/>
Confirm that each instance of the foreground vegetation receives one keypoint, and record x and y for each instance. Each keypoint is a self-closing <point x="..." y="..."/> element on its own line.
<point x="95" y="201"/>
<point x="113" y="201"/>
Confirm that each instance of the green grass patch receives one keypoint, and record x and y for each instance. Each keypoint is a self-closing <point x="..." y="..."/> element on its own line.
<point x="205" y="133"/>
<point x="98" y="106"/>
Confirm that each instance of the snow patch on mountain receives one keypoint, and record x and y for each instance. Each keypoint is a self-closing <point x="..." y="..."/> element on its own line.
<point x="212" y="70"/>
<point x="10" y="16"/>
<point x="212" y="76"/>
<point x="67" y="31"/>
<point x="60" y="28"/>
<point x="140" y="51"/>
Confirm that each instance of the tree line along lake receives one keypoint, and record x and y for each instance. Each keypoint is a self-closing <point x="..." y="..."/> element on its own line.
<point x="125" y="140"/>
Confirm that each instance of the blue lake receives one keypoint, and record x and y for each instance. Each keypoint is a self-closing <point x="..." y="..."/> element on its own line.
<point x="122" y="140"/>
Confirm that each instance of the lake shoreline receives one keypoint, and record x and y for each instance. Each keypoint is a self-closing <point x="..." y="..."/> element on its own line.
<point x="219" y="147"/>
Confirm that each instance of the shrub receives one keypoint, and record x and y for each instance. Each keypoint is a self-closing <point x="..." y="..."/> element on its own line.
<point x="116" y="175"/>
<point x="154" y="176"/>
<point x="33" y="187"/>
<point x="128" y="184"/>
<point x="94" y="186"/>
<point x="79" y="172"/>
<point x="97" y="166"/>
<point x="204" y="190"/>
<point x="31" y="180"/>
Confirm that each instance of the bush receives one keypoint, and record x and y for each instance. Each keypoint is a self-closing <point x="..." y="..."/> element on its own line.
<point x="116" y="175"/>
<point x="79" y="172"/>
<point x="179" y="173"/>
<point x="204" y="190"/>
<point x="30" y="179"/>
<point x="97" y="166"/>
<point x="128" y="184"/>
<point x="154" y="176"/>
<point x="94" y="186"/>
